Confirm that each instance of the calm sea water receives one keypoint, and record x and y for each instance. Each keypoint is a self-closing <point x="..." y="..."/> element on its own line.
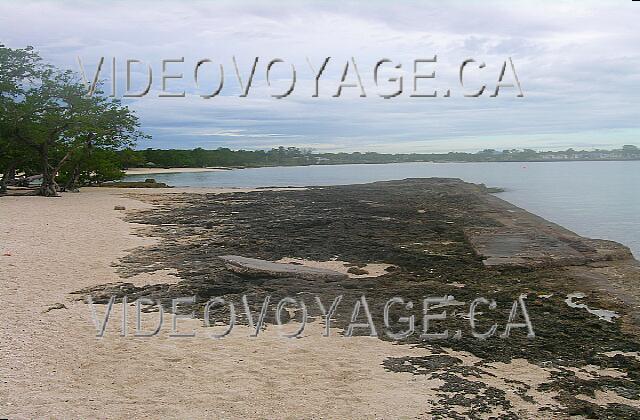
<point x="594" y="199"/>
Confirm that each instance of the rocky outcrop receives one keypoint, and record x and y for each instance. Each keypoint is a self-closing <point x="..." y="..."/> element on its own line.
<point x="253" y="267"/>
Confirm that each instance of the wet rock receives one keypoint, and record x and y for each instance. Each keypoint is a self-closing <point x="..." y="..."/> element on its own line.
<point x="253" y="267"/>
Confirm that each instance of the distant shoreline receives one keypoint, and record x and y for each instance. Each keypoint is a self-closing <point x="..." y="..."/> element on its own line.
<point x="295" y="156"/>
<point x="150" y="171"/>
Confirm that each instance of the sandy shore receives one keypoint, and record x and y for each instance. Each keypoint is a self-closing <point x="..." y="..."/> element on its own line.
<point x="148" y="171"/>
<point x="54" y="366"/>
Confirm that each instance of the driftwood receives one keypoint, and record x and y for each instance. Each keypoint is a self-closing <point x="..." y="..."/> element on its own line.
<point x="253" y="267"/>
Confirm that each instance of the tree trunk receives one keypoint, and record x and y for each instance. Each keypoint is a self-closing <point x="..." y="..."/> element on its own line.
<point x="11" y="176"/>
<point x="49" y="187"/>
<point x="8" y="176"/>
<point x="72" y="184"/>
<point x="3" y="182"/>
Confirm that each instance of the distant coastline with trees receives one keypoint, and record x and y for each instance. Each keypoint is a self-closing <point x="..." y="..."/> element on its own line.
<point x="293" y="156"/>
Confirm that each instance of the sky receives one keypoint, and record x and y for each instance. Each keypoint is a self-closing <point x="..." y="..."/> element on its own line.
<point x="577" y="62"/>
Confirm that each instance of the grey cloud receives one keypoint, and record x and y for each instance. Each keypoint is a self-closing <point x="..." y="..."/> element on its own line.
<point x="577" y="61"/>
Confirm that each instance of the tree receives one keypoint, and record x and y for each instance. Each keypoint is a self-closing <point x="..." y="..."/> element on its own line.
<point x="130" y="159"/>
<point x="98" y="166"/>
<point x="101" y="125"/>
<point x="47" y="116"/>
<point x="18" y="68"/>
<point x="199" y="156"/>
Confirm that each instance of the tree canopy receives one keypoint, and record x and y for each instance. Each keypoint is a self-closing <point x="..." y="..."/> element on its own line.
<point x="50" y="127"/>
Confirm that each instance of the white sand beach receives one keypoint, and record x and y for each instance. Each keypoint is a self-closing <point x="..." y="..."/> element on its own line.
<point x="53" y="364"/>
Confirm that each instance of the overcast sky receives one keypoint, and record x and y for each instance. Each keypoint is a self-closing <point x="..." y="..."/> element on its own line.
<point x="578" y="64"/>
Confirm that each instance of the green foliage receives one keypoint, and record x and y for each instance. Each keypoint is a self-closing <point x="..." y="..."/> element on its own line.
<point x="289" y="156"/>
<point x="48" y="124"/>
<point x="93" y="168"/>
<point x="223" y="157"/>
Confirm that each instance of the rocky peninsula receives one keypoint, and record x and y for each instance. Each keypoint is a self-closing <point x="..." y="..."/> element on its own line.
<point x="413" y="239"/>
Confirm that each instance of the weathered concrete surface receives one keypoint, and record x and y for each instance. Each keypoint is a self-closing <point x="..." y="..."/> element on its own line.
<point x="253" y="267"/>
<point x="527" y="240"/>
